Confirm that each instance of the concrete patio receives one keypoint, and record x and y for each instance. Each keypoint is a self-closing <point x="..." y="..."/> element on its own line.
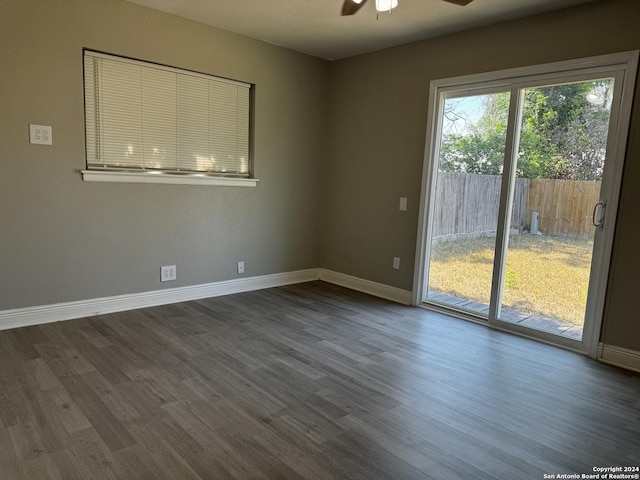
<point x="549" y="325"/>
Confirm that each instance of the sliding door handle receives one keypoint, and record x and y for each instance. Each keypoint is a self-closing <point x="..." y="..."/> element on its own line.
<point x="599" y="211"/>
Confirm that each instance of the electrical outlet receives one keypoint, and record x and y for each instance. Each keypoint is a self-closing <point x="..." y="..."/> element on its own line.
<point x="241" y="267"/>
<point x="167" y="273"/>
<point x="40" y="135"/>
<point x="396" y="263"/>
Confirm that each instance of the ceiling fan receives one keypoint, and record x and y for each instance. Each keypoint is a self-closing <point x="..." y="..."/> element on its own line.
<point x="349" y="7"/>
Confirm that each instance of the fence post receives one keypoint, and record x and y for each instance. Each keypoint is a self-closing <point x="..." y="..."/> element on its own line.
<point x="535" y="216"/>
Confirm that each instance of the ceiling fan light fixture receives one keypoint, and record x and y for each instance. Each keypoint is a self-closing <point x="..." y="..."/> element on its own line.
<point x="386" y="5"/>
<point x="350" y="7"/>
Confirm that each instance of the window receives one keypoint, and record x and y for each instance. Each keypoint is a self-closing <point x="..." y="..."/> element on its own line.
<point x="532" y="154"/>
<point x="150" y="123"/>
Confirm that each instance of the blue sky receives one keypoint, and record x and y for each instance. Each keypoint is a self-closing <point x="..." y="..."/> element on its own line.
<point x="466" y="110"/>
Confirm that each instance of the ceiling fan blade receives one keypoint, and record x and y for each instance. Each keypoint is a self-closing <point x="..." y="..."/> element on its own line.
<point x="349" y="7"/>
<point x="460" y="2"/>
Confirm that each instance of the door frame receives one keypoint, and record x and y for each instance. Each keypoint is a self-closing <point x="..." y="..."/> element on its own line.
<point x="623" y="66"/>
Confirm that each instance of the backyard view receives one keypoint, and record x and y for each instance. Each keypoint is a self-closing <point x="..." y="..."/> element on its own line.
<point x="559" y="166"/>
<point x="545" y="276"/>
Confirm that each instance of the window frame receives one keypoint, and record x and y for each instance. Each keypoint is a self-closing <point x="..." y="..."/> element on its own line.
<point x="163" y="174"/>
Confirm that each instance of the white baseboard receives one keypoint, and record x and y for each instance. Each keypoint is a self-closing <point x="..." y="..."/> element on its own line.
<point x="366" y="286"/>
<point x="620" y="357"/>
<point x="23" y="317"/>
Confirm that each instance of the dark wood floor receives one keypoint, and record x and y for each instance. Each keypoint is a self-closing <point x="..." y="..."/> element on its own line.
<point x="303" y="382"/>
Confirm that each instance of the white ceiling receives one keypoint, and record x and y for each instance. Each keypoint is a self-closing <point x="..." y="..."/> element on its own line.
<point x="315" y="27"/>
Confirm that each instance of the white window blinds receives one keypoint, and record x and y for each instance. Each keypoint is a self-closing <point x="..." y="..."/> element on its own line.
<point x="146" y="117"/>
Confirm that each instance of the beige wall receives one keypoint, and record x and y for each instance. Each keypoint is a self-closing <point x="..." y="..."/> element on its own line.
<point x="64" y="240"/>
<point x="377" y="133"/>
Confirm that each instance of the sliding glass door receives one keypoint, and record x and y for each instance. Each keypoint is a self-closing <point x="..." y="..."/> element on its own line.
<point x="522" y="172"/>
<point x="467" y="200"/>
<point x="560" y="161"/>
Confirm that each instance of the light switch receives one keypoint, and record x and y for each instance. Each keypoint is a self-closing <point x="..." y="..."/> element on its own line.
<point x="403" y="204"/>
<point x="40" y="134"/>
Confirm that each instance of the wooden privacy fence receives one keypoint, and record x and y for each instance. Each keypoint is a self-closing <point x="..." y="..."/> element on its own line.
<point x="467" y="206"/>
<point x="565" y="206"/>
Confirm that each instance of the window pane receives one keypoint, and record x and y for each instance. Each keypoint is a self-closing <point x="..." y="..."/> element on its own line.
<point x="145" y="116"/>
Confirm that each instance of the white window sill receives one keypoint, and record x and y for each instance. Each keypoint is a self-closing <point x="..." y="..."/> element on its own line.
<point x="166" y="178"/>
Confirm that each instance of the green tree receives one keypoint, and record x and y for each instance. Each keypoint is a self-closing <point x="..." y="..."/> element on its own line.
<point x="563" y="134"/>
<point x="480" y="149"/>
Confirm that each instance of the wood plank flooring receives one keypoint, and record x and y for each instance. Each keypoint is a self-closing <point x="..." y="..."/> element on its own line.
<point x="310" y="381"/>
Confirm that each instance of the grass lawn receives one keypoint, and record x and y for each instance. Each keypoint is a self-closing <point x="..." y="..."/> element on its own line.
<point x="545" y="276"/>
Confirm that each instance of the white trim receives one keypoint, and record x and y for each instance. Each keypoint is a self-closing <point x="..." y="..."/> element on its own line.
<point x="366" y="286"/>
<point x="620" y="357"/>
<point x="29" y="316"/>
<point x="22" y="317"/>
<point x="497" y="78"/>
<point x="166" y="178"/>
<point x="427" y="195"/>
<point x="617" y="151"/>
